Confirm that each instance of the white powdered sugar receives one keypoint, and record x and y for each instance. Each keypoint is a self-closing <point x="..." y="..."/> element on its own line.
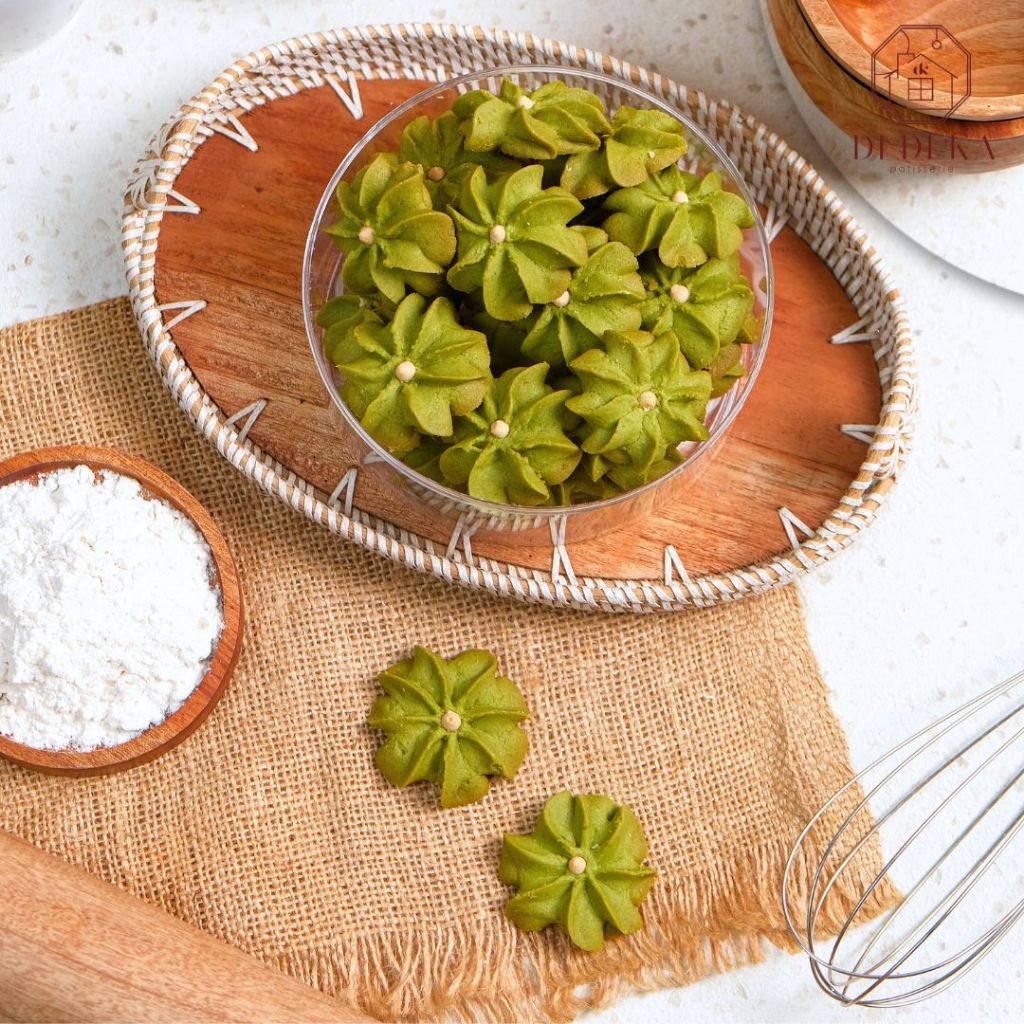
<point x="108" y="617"/>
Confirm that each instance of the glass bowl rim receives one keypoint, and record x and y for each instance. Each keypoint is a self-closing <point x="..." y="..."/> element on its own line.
<point x="481" y="505"/>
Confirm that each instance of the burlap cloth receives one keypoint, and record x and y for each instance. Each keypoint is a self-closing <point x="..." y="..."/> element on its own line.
<point x="272" y="829"/>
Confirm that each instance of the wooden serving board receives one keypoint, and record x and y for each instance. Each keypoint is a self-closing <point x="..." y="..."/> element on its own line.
<point x="242" y="255"/>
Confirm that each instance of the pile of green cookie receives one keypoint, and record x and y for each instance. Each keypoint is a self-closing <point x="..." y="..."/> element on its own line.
<point x="538" y="302"/>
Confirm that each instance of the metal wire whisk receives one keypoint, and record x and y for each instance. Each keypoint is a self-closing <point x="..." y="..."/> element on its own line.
<point x="949" y="802"/>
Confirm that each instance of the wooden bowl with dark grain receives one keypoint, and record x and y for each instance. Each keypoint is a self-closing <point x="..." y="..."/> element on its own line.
<point x="160" y="738"/>
<point x="938" y="84"/>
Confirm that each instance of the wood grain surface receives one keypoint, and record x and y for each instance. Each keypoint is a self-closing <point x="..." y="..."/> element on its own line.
<point x="992" y="31"/>
<point x="961" y="146"/>
<point x="177" y="727"/>
<point x="73" y="948"/>
<point x="243" y="255"/>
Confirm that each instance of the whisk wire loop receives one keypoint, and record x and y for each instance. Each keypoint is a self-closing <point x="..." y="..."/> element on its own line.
<point x="895" y="966"/>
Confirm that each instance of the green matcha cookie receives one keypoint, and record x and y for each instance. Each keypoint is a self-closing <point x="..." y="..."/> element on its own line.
<point x="707" y="308"/>
<point x="425" y="458"/>
<point x="412" y="375"/>
<point x="514" y="241"/>
<point x="686" y="218"/>
<point x="640" y="400"/>
<point x="726" y="369"/>
<point x="548" y="122"/>
<point x="452" y="722"/>
<point x="392" y="237"/>
<point x="580" y="487"/>
<point x="581" y="869"/>
<point x="603" y="295"/>
<point x="438" y="147"/>
<point x="641" y="143"/>
<point x="342" y="314"/>
<point x="514" y="447"/>
<point x="594" y="236"/>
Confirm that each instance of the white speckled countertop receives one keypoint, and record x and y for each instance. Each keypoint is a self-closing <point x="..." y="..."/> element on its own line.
<point x="929" y="604"/>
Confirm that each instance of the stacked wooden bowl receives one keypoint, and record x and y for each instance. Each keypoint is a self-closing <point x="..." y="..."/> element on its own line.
<point x="924" y="82"/>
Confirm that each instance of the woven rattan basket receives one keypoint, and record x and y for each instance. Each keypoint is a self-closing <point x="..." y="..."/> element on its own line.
<point x="790" y="190"/>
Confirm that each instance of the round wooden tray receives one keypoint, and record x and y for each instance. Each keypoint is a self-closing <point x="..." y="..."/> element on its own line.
<point x="214" y="232"/>
<point x="175" y="728"/>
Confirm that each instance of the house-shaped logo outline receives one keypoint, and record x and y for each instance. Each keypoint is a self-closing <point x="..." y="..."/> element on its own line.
<point x="881" y="80"/>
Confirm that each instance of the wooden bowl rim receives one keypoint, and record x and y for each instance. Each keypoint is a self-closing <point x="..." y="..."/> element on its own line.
<point x="174" y="729"/>
<point x="846" y="50"/>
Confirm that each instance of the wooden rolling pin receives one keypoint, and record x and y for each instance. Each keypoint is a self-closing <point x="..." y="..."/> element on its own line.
<point x="73" y="948"/>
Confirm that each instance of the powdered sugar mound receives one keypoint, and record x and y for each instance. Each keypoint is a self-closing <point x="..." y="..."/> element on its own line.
<point x="108" y="617"/>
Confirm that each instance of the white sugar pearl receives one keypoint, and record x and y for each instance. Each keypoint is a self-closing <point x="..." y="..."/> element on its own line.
<point x="451" y="720"/>
<point x="435" y="173"/>
<point x="524" y="103"/>
<point x="405" y="371"/>
<point x="367" y="235"/>
<point x="500" y="429"/>
<point x="577" y="865"/>
<point x="647" y="400"/>
<point x="563" y="299"/>
<point x="497" y="234"/>
<point x="680" y="196"/>
<point x="679" y="292"/>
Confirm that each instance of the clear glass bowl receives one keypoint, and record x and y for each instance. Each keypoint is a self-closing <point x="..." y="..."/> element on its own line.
<point x="321" y="281"/>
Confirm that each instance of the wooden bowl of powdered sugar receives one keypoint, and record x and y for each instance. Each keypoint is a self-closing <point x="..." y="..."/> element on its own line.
<point x="120" y="611"/>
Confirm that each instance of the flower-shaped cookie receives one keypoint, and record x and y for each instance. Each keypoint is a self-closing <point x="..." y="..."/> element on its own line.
<point x="412" y="375"/>
<point x="343" y="313"/>
<point x="686" y="218"/>
<point x="391" y="235"/>
<point x="594" y="236"/>
<point x="581" y="869"/>
<point x="452" y="722"/>
<point x="641" y="143"/>
<point x="514" y="241"/>
<point x="548" y="122"/>
<point x="580" y="487"/>
<point x="706" y="308"/>
<point x="640" y="399"/>
<point x="514" y="447"/>
<point x="438" y="147"/>
<point x="425" y="457"/>
<point x="603" y="295"/>
<point x="726" y="369"/>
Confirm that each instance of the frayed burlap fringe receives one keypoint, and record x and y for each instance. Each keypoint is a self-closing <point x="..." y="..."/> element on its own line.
<point x="711" y="922"/>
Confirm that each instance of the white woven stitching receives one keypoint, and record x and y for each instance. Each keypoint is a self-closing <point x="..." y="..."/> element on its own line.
<point x="188" y="307"/>
<point x="774" y="222"/>
<point x="855" y="332"/>
<point x="463" y="530"/>
<point x="184" y="204"/>
<point x="559" y="556"/>
<point x="351" y="99"/>
<point x="794" y="525"/>
<point x="674" y="564"/>
<point x="346" y="486"/>
<point x="860" y="431"/>
<point x="233" y="129"/>
<point x="252" y="413"/>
